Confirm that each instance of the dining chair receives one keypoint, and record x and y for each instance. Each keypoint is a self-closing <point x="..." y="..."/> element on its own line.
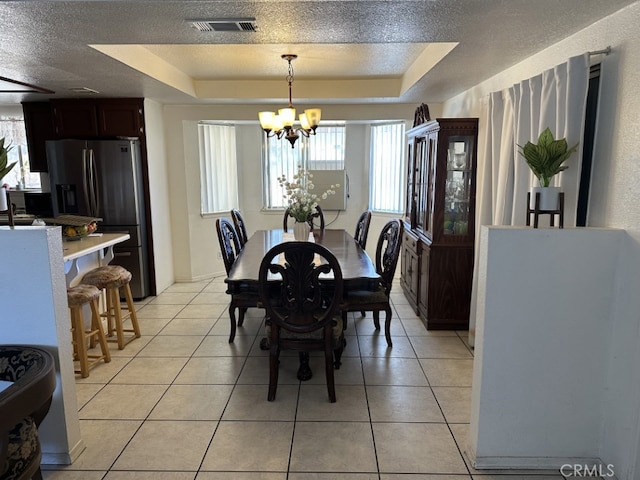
<point x="319" y="214"/>
<point x="23" y="406"/>
<point x="241" y="230"/>
<point x="362" y="229"/>
<point x="302" y="310"/>
<point x="230" y="248"/>
<point x="387" y="253"/>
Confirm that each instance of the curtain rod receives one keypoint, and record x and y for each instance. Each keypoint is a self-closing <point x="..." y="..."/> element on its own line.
<point x="606" y="51"/>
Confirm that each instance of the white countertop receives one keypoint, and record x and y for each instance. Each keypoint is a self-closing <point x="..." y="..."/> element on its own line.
<point x="77" y="248"/>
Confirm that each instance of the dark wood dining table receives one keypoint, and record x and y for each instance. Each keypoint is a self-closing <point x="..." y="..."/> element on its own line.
<point x="358" y="270"/>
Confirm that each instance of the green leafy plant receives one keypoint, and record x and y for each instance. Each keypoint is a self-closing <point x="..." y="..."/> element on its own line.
<point x="4" y="152"/>
<point x="546" y="158"/>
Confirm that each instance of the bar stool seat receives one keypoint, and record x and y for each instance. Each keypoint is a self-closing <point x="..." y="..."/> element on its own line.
<point x="77" y="297"/>
<point x="112" y="278"/>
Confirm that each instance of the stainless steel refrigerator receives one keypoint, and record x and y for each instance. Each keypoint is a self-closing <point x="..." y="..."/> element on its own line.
<point x="103" y="178"/>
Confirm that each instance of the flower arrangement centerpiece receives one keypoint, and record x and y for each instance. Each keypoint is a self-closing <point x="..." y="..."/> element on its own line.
<point x="301" y="201"/>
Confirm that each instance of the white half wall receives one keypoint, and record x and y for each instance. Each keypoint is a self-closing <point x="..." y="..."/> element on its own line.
<point x="543" y="343"/>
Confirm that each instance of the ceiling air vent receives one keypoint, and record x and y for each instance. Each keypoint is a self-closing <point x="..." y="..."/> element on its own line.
<point x="225" y="25"/>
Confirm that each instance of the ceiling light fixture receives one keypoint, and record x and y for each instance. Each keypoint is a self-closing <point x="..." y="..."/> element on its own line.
<point x="281" y="125"/>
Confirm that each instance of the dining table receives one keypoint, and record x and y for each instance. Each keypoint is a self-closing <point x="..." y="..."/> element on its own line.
<point x="358" y="270"/>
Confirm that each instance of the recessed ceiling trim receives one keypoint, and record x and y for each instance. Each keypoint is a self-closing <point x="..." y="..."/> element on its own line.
<point x="225" y="25"/>
<point x="8" y="85"/>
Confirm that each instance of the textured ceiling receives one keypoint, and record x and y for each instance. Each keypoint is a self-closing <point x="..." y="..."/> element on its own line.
<point x="349" y="51"/>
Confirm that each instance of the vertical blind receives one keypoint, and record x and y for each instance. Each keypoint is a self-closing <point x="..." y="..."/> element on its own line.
<point x="218" y="168"/>
<point x="386" y="191"/>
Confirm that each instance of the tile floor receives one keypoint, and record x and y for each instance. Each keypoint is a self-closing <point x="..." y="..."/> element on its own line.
<point x="181" y="403"/>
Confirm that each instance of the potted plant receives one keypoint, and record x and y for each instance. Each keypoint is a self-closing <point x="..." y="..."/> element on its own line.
<point x="546" y="159"/>
<point x="4" y="169"/>
<point x="301" y="202"/>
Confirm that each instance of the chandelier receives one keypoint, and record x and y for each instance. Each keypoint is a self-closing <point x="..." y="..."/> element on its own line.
<point x="281" y="125"/>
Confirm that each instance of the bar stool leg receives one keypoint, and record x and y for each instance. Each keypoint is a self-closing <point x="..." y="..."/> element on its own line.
<point x="80" y="348"/>
<point x="133" y="316"/>
<point x="96" y="331"/>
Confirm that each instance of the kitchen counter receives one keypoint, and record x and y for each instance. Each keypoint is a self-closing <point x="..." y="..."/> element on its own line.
<point x="90" y="244"/>
<point x="90" y="252"/>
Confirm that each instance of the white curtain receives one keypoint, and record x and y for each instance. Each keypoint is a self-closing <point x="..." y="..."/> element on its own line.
<point x="218" y="168"/>
<point x="555" y="99"/>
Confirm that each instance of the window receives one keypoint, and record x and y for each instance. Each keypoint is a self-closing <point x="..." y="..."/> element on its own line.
<point x="218" y="168"/>
<point x="12" y="130"/>
<point x="386" y="192"/>
<point x="323" y="151"/>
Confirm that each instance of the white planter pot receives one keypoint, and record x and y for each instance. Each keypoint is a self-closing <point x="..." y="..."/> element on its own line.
<point x="3" y="200"/>
<point x="301" y="231"/>
<point x="549" y="198"/>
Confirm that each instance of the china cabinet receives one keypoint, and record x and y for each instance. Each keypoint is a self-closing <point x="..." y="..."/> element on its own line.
<point x="437" y="255"/>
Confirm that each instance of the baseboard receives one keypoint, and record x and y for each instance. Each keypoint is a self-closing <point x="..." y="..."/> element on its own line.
<point x="49" y="458"/>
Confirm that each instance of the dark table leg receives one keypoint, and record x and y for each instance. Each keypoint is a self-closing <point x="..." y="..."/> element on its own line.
<point x="304" y="371"/>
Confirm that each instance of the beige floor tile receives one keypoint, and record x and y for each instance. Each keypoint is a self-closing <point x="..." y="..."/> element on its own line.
<point x="376" y="346"/>
<point x="219" y="346"/>
<point x="349" y="373"/>
<point x="364" y="326"/>
<point x="103" y="373"/>
<point x="146" y="371"/>
<point x="167" y="445"/>
<point x="211" y="298"/>
<point x="393" y="371"/>
<point x="202" y="311"/>
<point x="192" y="402"/>
<point x="123" y="402"/>
<point x="251" y="326"/>
<point x="172" y="346"/>
<point x="314" y="404"/>
<point x="256" y="371"/>
<point x="440" y="347"/>
<point x="173" y="298"/>
<point x="217" y="285"/>
<point x="405" y="311"/>
<point x="448" y="372"/>
<point x="85" y="392"/>
<point x="333" y="476"/>
<point x="417" y="448"/>
<point x="245" y="476"/>
<point x="346" y="447"/>
<point x="104" y="441"/>
<point x="405" y="476"/>
<point x="403" y="404"/>
<point x="249" y="402"/>
<point x="455" y="403"/>
<point x="249" y="446"/>
<point x="352" y="349"/>
<point x="188" y="326"/>
<point x="155" y="311"/>
<point x="152" y="326"/>
<point x="211" y="371"/>
<point x="114" y="475"/>
<point x="186" y="287"/>
<point x="71" y="474"/>
<point x="132" y="348"/>
<point x="415" y="327"/>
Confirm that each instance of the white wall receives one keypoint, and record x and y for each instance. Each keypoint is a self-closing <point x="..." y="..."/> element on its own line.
<point x="195" y="242"/>
<point x="613" y="203"/>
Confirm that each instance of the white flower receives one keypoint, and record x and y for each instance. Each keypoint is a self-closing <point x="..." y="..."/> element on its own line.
<point x="300" y="202"/>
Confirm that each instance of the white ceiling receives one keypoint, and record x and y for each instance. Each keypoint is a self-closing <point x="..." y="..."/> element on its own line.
<point x="349" y="51"/>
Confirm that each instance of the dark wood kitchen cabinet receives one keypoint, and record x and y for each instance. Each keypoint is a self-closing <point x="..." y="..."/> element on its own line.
<point x="38" y="123"/>
<point x="100" y="118"/>
<point x="437" y="250"/>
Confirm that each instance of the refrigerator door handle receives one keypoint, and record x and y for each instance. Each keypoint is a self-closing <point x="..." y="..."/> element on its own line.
<point x="95" y="192"/>
<point x="85" y="179"/>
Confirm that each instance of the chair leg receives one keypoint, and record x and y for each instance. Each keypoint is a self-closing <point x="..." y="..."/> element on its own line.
<point x="133" y="316"/>
<point x="274" y="353"/>
<point x="232" y="319"/>
<point x="77" y="324"/>
<point x="337" y="353"/>
<point x="387" y="326"/>
<point x="96" y="326"/>
<point x="241" y="313"/>
<point x="376" y="319"/>
<point x="328" y="367"/>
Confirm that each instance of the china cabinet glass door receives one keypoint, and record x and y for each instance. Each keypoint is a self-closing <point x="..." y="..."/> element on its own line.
<point x="458" y="184"/>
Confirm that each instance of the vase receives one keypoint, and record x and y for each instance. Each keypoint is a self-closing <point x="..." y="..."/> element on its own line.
<point x="301" y="231"/>
<point x="3" y="200"/>
<point x="549" y="198"/>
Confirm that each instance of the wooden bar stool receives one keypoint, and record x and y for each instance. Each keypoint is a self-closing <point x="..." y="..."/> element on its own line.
<point x="112" y="278"/>
<point x="77" y="297"/>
